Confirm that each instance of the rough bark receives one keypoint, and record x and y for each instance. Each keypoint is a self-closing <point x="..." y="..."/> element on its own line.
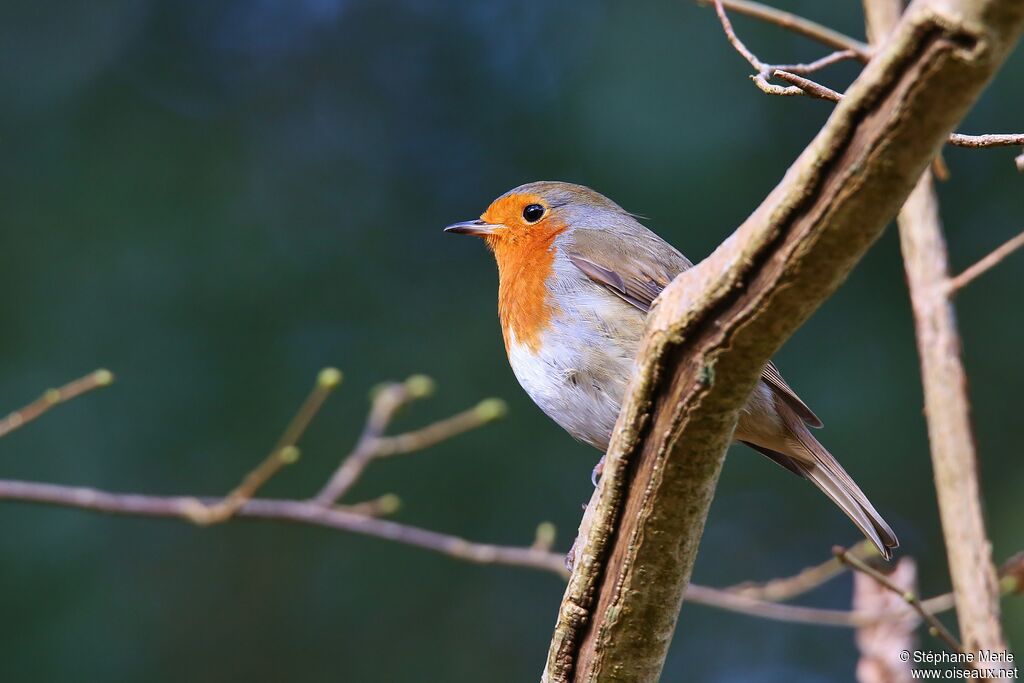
<point x="947" y="406"/>
<point x="717" y="324"/>
<point x="947" y="411"/>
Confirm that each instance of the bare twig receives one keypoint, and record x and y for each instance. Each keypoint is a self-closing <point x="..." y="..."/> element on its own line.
<point x="373" y="445"/>
<point x="387" y="401"/>
<point x="752" y="599"/>
<point x="486" y="411"/>
<point x="797" y="24"/>
<point x="284" y="453"/>
<point x="809" y="87"/>
<point x="303" y="512"/>
<point x="360" y="519"/>
<point x="987" y="140"/>
<point x="818" y="64"/>
<point x="789" y="73"/>
<point x="779" y="590"/>
<point x="847" y="48"/>
<point x="735" y="41"/>
<point x="984" y="265"/>
<point x="947" y="413"/>
<point x="947" y="405"/>
<point x="935" y="627"/>
<point x="732" y="600"/>
<point x="53" y="397"/>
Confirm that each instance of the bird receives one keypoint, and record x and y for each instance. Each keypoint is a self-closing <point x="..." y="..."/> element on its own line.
<point x="577" y="276"/>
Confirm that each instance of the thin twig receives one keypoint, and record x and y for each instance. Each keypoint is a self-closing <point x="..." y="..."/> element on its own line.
<point x="304" y="512"/>
<point x="987" y="140"/>
<point x="53" y="397"/>
<point x="984" y="265"/>
<point x="765" y="71"/>
<point x="284" y="453"/>
<point x="372" y="443"/>
<point x="787" y="588"/>
<point x="387" y="401"/>
<point x="809" y="87"/>
<point x="935" y="626"/>
<point x="486" y="411"/>
<point x="797" y="24"/>
<point x="354" y="519"/>
<point x="818" y="64"/>
<point x="760" y="79"/>
<point x="846" y="48"/>
<point x="363" y="518"/>
<point x="735" y="41"/>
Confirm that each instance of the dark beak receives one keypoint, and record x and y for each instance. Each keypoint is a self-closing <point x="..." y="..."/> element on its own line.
<point x="478" y="228"/>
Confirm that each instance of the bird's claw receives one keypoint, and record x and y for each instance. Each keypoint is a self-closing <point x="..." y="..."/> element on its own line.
<point x="595" y="475"/>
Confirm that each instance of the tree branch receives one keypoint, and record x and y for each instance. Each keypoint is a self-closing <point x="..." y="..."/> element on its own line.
<point x="752" y="599"/>
<point x="373" y="445"/>
<point x="285" y="452"/>
<point x="797" y="24"/>
<point x="987" y="140"/>
<point x="984" y="265"/>
<point x="360" y="518"/>
<point x="54" y="397"/>
<point x="779" y="590"/>
<point x="882" y="645"/>
<point x="795" y="74"/>
<point x="947" y="406"/>
<point x="718" y="323"/>
<point x="947" y="412"/>
<point x="301" y="511"/>
<point x="935" y="626"/>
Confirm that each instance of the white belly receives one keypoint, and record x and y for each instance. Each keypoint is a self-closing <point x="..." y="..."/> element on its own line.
<point x="579" y="372"/>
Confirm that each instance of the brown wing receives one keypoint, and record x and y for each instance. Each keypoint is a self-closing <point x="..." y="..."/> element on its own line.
<point x="638" y="286"/>
<point x="774" y="379"/>
<point x="640" y="291"/>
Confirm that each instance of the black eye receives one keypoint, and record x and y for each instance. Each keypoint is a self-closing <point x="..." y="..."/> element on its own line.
<point x="533" y="212"/>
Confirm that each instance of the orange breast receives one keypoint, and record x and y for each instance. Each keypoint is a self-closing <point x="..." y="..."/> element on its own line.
<point x="525" y="262"/>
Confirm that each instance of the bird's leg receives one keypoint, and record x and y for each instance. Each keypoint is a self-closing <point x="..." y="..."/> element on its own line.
<point x="595" y="476"/>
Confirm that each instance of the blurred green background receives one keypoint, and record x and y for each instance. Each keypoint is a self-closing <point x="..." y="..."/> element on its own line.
<point x="215" y="200"/>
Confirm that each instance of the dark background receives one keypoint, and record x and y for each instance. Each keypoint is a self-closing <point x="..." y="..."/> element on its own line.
<point x="215" y="200"/>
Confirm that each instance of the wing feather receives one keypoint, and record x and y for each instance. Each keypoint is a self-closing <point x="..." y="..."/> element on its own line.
<point x="640" y="287"/>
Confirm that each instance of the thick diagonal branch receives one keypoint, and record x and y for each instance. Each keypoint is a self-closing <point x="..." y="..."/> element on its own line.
<point x="720" y="322"/>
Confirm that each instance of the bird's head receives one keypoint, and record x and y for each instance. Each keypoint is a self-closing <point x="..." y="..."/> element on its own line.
<point x="522" y="227"/>
<point x="532" y="215"/>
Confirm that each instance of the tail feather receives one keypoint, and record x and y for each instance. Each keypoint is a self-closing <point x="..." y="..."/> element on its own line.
<point x="856" y="506"/>
<point x="817" y="465"/>
<point x="828" y="475"/>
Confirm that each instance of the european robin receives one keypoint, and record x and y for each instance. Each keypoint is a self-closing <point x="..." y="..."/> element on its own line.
<point x="577" y="275"/>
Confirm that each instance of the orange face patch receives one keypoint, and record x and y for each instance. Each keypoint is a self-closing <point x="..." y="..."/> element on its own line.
<point x="525" y="253"/>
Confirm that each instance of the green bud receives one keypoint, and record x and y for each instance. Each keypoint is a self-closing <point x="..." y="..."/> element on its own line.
<point x="491" y="409"/>
<point x="545" y="535"/>
<point x="419" y="386"/>
<point x="329" y="378"/>
<point x="103" y="377"/>
<point x="388" y="504"/>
